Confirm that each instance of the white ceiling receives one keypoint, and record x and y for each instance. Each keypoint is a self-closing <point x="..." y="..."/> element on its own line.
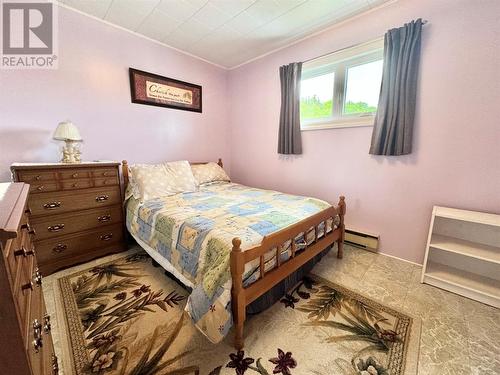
<point x="225" y="32"/>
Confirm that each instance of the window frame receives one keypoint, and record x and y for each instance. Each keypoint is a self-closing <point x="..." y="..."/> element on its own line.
<point x="339" y="62"/>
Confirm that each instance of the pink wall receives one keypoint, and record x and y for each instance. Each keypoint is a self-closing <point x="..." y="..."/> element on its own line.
<point x="457" y="140"/>
<point x="91" y="87"/>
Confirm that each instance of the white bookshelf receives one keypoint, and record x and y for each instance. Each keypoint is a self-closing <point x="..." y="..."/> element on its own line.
<point x="463" y="254"/>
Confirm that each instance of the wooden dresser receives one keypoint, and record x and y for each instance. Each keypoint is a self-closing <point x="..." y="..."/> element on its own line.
<point x="76" y="211"/>
<point x="25" y="337"/>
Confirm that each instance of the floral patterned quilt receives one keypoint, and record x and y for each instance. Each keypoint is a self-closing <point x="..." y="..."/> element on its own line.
<point x="193" y="231"/>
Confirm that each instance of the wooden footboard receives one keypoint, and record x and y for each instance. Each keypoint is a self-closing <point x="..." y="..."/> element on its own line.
<point x="242" y="296"/>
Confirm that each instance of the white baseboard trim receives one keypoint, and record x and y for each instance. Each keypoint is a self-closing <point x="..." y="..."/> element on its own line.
<point x="401" y="259"/>
<point x="386" y="255"/>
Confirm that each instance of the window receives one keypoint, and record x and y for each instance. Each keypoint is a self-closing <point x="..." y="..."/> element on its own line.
<point x="342" y="88"/>
<point x="316" y="97"/>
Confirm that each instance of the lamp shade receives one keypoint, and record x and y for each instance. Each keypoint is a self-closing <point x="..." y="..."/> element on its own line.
<point x="67" y="131"/>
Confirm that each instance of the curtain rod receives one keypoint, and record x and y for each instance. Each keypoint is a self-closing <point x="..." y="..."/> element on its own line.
<point x="339" y="50"/>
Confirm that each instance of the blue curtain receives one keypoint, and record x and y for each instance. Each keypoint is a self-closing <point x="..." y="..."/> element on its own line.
<point x="393" y="127"/>
<point x="289" y="137"/>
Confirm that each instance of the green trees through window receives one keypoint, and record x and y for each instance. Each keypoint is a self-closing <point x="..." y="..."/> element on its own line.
<point x="359" y="107"/>
<point x="342" y="89"/>
<point x="312" y="108"/>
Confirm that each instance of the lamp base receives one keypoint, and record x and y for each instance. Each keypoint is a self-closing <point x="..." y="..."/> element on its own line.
<point x="71" y="153"/>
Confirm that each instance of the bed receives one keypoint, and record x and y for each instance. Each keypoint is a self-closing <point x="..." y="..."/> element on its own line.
<point x="230" y="244"/>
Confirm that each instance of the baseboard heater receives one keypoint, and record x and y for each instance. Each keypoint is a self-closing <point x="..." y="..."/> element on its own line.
<point x="362" y="240"/>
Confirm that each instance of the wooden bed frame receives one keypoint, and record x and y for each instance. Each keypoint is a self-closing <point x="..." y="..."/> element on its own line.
<point x="243" y="296"/>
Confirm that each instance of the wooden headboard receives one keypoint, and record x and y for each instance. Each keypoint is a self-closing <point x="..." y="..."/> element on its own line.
<point x="125" y="170"/>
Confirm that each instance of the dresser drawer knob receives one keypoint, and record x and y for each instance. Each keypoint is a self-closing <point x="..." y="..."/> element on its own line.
<point x="28" y="285"/>
<point x="37" y="277"/>
<point x="52" y="205"/>
<point x="55" y="228"/>
<point x="37" y="344"/>
<point x="36" y="328"/>
<point x="23" y="252"/>
<point x="28" y="228"/>
<point x="106" y="237"/>
<point x="27" y="211"/>
<point x="38" y="178"/>
<point x="55" y="365"/>
<point x="59" y="248"/>
<point x="74" y="175"/>
<point x="101" y="198"/>
<point x="75" y="185"/>
<point x="104" y="218"/>
<point x="46" y="324"/>
<point x="40" y="188"/>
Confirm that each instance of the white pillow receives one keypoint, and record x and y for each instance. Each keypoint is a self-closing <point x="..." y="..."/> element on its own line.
<point x="149" y="181"/>
<point x="180" y="176"/>
<point x="209" y="172"/>
<point x="132" y="188"/>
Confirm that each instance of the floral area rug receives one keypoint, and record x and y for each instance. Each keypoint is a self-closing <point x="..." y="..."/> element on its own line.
<point x="124" y="316"/>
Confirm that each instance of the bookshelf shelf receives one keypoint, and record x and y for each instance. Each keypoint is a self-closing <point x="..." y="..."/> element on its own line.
<point x="463" y="254"/>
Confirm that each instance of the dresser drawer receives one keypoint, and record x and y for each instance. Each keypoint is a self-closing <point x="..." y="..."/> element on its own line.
<point x="105" y="172"/>
<point x="59" y="225"/>
<point x="71" y="174"/>
<point x="19" y="248"/>
<point x="110" y="181"/>
<point x="54" y="203"/>
<point x="12" y="261"/>
<point x="42" y="187"/>
<point x="77" y="184"/>
<point x="35" y="313"/>
<point x="35" y="177"/>
<point x="38" y="333"/>
<point x="24" y="287"/>
<point x="25" y="302"/>
<point x="54" y="249"/>
<point x="16" y="251"/>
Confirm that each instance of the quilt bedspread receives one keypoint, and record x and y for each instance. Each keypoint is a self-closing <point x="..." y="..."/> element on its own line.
<point x="194" y="231"/>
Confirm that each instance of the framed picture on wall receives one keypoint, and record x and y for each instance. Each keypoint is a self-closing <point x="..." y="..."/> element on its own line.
<point x="153" y="89"/>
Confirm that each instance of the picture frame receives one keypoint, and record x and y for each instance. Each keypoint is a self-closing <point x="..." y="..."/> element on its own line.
<point x="153" y="89"/>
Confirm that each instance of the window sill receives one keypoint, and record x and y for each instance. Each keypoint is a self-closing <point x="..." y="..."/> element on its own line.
<point x="338" y="124"/>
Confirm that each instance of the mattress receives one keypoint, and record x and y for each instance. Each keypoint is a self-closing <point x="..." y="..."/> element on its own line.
<point x="190" y="234"/>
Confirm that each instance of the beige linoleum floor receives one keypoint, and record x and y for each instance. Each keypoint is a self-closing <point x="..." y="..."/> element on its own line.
<point x="459" y="336"/>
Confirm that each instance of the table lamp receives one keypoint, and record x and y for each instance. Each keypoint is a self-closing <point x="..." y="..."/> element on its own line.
<point x="66" y="131"/>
